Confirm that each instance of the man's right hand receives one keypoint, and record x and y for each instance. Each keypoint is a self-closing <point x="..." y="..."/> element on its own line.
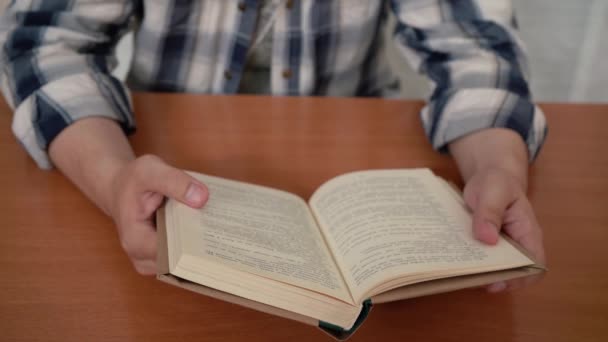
<point x="95" y="155"/>
<point x="138" y="189"/>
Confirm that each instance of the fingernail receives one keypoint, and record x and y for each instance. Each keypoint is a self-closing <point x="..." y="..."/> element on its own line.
<point x="497" y="287"/>
<point x="194" y="194"/>
<point x="493" y="225"/>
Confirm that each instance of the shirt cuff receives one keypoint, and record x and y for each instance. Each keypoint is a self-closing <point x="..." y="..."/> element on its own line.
<point x="454" y="115"/>
<point x="52" y="108"/>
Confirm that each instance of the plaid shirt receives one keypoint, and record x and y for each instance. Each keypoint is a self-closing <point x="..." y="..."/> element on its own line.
<point x="58" y="55"/>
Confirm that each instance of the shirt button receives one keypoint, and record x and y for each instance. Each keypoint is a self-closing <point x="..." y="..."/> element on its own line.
<point x="286" y="73"/>
<point x="289" y="4"/>
<point x="242" y="6"/>
<point x="228" y="75"/>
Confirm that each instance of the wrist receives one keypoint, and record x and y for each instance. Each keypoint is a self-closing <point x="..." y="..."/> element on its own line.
<point x="492" y="150"/>
<point x="109" y="188"/>
<point x="505" y="163"/>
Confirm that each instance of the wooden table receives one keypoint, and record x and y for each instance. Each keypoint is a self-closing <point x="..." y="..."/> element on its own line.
<point x="65" y="277"/>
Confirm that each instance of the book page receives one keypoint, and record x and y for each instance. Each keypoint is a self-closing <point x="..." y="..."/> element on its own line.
<point x="385" y="225"/>
<point x="263" y="231"/>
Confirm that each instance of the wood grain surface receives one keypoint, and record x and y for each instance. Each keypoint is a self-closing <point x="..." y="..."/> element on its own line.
<point x="65" y="277"/>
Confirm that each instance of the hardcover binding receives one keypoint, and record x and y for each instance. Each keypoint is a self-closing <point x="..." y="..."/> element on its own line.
<point x="411" y="291"/>
<point x="164" y="275"/>
<point x="342" y="334"/>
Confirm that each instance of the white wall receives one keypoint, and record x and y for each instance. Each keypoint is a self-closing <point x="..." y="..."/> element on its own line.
<point x="567" y="46"/>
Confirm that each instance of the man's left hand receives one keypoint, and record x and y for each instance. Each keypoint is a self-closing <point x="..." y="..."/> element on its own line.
<point x="499" y="203"/>
<point x="494" y="165"/>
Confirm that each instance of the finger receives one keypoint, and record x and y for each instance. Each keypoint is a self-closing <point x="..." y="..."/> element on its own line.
<point x="139" y="241"/>
<point x="145" y="267"/>
<point x="521" y="225"/>
<point x="519" y="283"/>
<point x="149" y="202"/>
<point x="514" y="284"/>
<point x="158" y="176"/>
<point x="492" y="201"/>
<point x="497" y="287"/>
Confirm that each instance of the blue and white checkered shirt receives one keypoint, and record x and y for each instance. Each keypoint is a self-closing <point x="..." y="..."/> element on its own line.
<point x="58" y="55"/>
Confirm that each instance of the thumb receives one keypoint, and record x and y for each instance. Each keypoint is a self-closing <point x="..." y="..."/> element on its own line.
<point x="160" y="177"/>
<point x="492" y="201"/>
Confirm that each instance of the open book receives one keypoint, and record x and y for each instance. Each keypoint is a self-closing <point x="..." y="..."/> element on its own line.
<point x="368" y="236"/>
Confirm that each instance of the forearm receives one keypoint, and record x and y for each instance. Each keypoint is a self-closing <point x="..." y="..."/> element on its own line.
<point x="494" y="148"/>
<point x="55" y="67"/>
<point x="89" y="153"/>
<point x="95" y="155"/>
<point x="473" y="55"/>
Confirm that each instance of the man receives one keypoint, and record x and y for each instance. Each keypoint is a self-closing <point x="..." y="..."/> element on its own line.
<point x="72" y="113"/>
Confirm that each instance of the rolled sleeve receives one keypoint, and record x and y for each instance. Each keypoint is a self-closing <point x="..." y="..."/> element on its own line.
<point x="44" y="114"/>
<point x="470" y="110"/>
<point x="476" y="62"/>
<point x="56" y="68"/>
